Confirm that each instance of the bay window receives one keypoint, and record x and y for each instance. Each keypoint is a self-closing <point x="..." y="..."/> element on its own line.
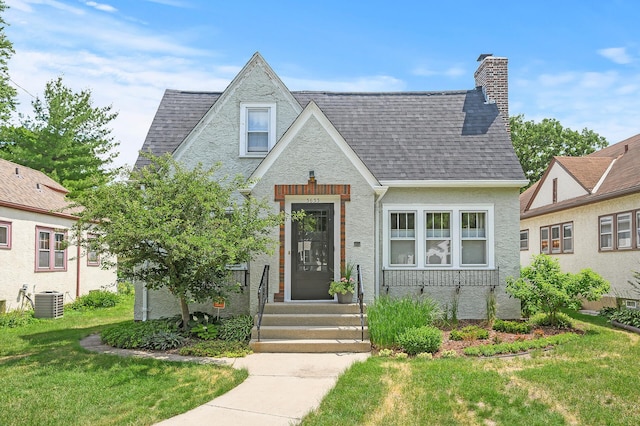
<point x="423" y="236"/>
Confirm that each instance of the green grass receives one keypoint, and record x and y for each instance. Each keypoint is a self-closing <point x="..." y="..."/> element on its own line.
<point x="589" y="380"/>
<point x="46" y="378"/>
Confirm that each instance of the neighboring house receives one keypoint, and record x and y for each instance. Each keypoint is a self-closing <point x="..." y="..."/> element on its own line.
<point x="35" y="227"/>
<point x="585" y="211"/>
<point x="418" y="188"/>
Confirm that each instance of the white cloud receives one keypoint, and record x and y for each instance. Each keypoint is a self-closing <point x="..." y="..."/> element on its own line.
<point x="101" y="6"/>
<point x="618" y="55"/>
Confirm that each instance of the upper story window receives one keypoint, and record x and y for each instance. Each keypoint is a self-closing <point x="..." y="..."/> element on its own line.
<point x="51" y="250"/>
<point x="257" y="129"/>
<point x="5" y="235"/>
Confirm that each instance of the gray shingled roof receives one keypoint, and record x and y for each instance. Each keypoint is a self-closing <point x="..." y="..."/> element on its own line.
<point x="399" y="136"/>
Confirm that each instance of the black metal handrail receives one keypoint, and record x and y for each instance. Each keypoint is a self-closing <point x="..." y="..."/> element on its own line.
<point x="361" y="299"/>
<point x="263" y="295"/>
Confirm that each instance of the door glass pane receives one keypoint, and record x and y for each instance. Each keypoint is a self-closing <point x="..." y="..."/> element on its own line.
<point x="313" y="242"/>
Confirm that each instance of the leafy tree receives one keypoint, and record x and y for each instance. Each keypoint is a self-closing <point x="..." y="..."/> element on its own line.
<point x="68" y="139"/>
<point x="543" y="287"/>
<point x="175" y="228"/>
<point x="537" y="143"/>
<point x="7" y="92"/>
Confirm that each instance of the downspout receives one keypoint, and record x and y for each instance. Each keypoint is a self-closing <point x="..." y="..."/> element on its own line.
<point x="380" y="193"/>
<point x="78" y="268"/>
<point x="145" y="295"/>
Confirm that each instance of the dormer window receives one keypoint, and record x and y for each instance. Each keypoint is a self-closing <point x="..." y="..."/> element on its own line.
<point x="257" y="129"/>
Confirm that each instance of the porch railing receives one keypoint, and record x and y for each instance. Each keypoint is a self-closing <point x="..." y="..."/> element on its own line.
<point x="361" y="299"/>
<point x="421" y="279"/>
<point x="263" y="295"/>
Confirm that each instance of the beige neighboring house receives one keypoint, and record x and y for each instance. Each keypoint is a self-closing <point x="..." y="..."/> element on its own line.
<point x="585" y="211"/>
<point x="33" y="228"/>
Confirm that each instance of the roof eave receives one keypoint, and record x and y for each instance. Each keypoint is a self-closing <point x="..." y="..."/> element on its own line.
<point x="456" y="183"/>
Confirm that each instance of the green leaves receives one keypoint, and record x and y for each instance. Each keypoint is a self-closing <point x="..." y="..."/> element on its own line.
<point x="542" y="286"/>
<point x="536" y="144"/>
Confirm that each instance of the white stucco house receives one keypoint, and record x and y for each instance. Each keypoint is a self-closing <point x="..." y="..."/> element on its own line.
<point x="418" y="188"/>
<point x="585" y="211"/>
<point x="35" y="225"/>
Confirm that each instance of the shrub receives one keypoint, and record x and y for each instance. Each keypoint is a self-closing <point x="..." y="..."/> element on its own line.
<point x="135" y="335"/>
<point x="236" y="328"/>
<point x="420" y="339"/>
<point x="401" y="355"/>
<point x="204" y="332"/>
<point x="217" y="348"/>
<point x="515" y="347"/>
<point x="542" y="287"/>
<point x="607" y="312"/>
<point x="627" y="316"/>
<point x="95" y="299"/>
<point x="425" y="355"/>
<point x="560" y="320"/>
<point x="388" y="317"/>
<point x="449" y="353"/>
<point x="163" y="340"/>
<point x="14" y="319"/>
<point x="125" y="288"/>
<point x="470" y="332"/>
<point x="515" y="327"/>
<point x="385" y="352"/>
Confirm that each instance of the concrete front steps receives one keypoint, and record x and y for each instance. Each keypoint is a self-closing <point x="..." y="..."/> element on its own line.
<point x="311" y="327"/>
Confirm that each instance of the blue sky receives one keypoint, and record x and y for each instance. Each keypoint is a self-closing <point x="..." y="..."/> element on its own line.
<point x="576" y="61"/>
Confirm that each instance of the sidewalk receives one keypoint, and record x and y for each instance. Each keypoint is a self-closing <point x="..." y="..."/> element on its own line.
<point x="280" y="390"/>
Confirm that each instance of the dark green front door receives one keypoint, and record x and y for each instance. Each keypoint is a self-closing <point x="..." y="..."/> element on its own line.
<point x="312" y="252"/>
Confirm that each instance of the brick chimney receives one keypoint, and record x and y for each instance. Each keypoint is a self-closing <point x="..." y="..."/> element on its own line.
<point x="492" y="76"/>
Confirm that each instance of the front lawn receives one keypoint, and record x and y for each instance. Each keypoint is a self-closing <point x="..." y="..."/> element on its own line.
<point x="46" y="378"/>
<point x="591" y="380"/>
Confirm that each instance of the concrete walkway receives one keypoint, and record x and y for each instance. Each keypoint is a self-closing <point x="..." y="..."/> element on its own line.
<point x="280" y="390"/>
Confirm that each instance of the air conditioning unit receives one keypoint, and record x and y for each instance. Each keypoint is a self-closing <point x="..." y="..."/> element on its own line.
<point x="49" y="304"/>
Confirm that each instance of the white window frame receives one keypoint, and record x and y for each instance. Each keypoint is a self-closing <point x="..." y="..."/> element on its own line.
<point x="7" y="226"/>
<point x="546" y="239"/>
<point x="565" y="226"/>
<point x="438" y="238"/>
<point x="628" y="218"/>
<point x="609" y="219"/>
<point x="456" y="240"/>
<point x="555" y="229"/>
<point x="410" y="262"/>
<point x="631" y="304"/>
<point x="525" y="233"/>
<point x="52" y="249"/>
<point x="245" y="107"/>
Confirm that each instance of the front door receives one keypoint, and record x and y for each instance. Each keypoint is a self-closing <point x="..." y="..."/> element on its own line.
<point x="312" y="252"/>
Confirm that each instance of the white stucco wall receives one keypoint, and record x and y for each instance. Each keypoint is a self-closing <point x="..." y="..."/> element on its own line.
<point x="17" y="265"/>
<point x="505" y="243"/>
<point x="615" y="266"/>
<point x="314" y="149"/>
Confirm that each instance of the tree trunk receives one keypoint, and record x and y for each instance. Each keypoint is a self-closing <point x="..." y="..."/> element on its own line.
<point x="184" y="308"/>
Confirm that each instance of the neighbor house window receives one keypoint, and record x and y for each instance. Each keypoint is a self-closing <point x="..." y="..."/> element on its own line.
<point x="438" y="238"/>
<point x="51" y="252"/>
<point x="619" y="231"/>
<point x="431" y="237"/>
<point x="5" y="235"/>
<point x="524" y="239"/>
<point x="93" y="258"/>
<point x="623" y="231"/>
<point x="544" y="240"/>
<point x="606" y="233"/>
<point x="402" y="238"/>
<point x="556" y="239"/>
<point x="257" y="129"/>
<point x="474" y="238"/>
